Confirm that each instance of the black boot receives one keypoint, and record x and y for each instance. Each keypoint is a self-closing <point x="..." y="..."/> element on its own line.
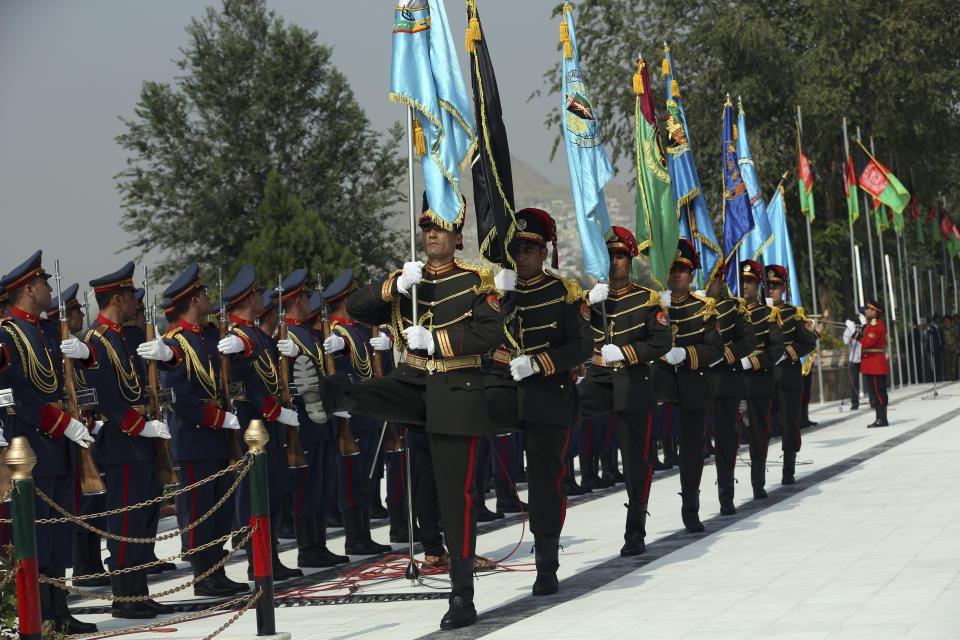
<point x="281" y="572"/>
<point x="217" y="584"/>
<point x="881" y="420"/>
<point x="655" y="463"/>
<point x="635" y="530"/>
<point x="670" y="454"/>
<point x="725" y="482"/>
<point x="507" y="500"/>
<point x="689" y="512"/>
<point x="484" y="514"/>
<point x="589" y="476"/>
<point x="56" y="605"/>
<point x="377" y="510"/>
<point x="461" y="612"/>
<point x="384" y="548"/>
<point x="334" y="520"/>
<point x="139" y="580"/>
<point x="356" y="542"/>
<point x="789" y="467"/>
<point x="569" y="486"/>
<point x="322" y="542"/>
<point x="611" y="470"/>
<point x="284" y="526"/>
<point x="310" y="551"/>
<point x="125" y="584"/>
<point x="399" y="531"/>
<point x="758" y="476"/>
<point x="545" y="555"/>
<point x="86" y="559"/>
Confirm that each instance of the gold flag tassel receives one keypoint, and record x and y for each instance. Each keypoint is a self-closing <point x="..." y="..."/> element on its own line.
<point x="638" y="79"/>
<point x="419" y="141"/>
<point x="473" y="34"/>
<point x="565" y="39"/>
<point x="666" y="67"/>
<point x="674" y="89"/>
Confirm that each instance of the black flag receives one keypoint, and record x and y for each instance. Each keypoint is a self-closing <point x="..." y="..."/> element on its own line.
<point x="492" y="176"/>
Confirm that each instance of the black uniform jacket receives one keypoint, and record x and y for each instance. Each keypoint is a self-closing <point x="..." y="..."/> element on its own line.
<point x="693" y="322"/>
<point x="798" y="341"/>
<point x="766" y="325"/>
<point x="460" y="305"/>
<point x="638" y="324"/>
<point x="739" y="341"/>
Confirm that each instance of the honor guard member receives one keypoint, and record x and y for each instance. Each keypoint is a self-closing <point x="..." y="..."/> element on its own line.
<point x="531" y="386"/>
<point x="199" y="428"/>
<point x="4" y="303"/>
<point x="682" y="375"/>
<point x="269" y="318"/>
<point x="873" y="361"/>
<point x="739" y="341"/>
<point x="126" y="451"/>
<point x="253" y="362"/>
<point x="439" y="384"/>
<point x="798" y="341"/>
<point x="33" y="364"/>
<point x="140" y="316"/>
<point x="310" y="502"/>
<point x="353" y="357"/>
<point x="619" y="378"/>
<point x="759" y="380"/>
<point x="170" y="312"/>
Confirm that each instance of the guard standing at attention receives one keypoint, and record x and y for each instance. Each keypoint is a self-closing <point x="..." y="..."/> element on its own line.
<point x="873" y="361"/>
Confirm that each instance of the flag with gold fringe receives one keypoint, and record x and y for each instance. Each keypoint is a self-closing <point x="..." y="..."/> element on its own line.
<point x="737" y="214"/>
<point x="761" y="236"/>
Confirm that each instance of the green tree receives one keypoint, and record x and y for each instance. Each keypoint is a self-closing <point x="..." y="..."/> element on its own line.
<point x="289" y="237"/>
<point x="892" y="68"/>
<point x="255" y="94"/>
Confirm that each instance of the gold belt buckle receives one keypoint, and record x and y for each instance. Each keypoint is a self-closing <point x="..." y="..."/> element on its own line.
<point x="431" y="366"/>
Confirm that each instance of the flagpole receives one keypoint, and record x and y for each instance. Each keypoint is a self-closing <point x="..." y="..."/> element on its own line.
<point x="905" y="304"/>
<point x="883" y="269"/>
<point x="813" y="281"/>
<point x="943" y="246"/>
<point x="866" y="219"/>
<point x="853" y="270"/>
<point x="412" y="573"/>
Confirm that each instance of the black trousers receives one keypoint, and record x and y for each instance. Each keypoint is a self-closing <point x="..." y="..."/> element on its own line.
<point x="725" y="414"/>
<point x="789" y="406"/>
<point x="853" y="370"/>
<point x="691" y="429"/>
<point x="127" y="484"/>
<point x="759" y="413"/>
<point x="454" y="466"/>
<point x="426" y="504"/>
<point x="877" y="388"/>
<point x="195" y="503"/>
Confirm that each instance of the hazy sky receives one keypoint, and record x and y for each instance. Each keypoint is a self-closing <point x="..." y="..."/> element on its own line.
<point x="70" y="68"/>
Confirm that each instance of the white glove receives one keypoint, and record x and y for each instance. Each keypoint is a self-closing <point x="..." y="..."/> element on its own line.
<point x="334" y="344"/>
<point x="230" y="344"/>
<point x="3" y="441"/>
<point x="769" y="301"/>
<point x="412" y="274"/>
<point x="665" y="297"/>
<point x="676" y="355"/>
<point x="611" y="353"/>
<point x="782" y="358"/>
<point x="521" y="368"/>
<point x="155" y="429"/>
<point x="288" y="348"/>
<point x="75" y="349"/>
<point x="505" y="280"/>
<point x="341" y="414"/>
<point x="155" y="350"/>
<point x="97" y="425"/>
<point x="78" y="433"/>
<point x="850" y="325"/>
<point x="381" y="343"/>
<point x="288" y="417"/>
<point x="419" y="338"/>
<point x="862" y="318"/>
<point x="700" y="292"/>
<point x="746" y="363"/>
<point x="599" y="293"/>
<point x="230" y="421"/>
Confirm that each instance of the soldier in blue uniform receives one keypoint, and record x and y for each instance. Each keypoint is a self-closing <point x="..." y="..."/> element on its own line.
<point x="125" y="451"/>
<point x="353" y="356"/>
<point x="198" y="426"/>
<point x="311" y="499"/>
<point x="268" y="319"/>
<point x="31" y="360"/>
<point x="254" y="359"/>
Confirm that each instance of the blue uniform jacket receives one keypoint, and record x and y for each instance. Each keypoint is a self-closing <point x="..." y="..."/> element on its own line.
<point x="257" y="368"/>
<point x="310" y="343"/>
<point x="356" y="360"/>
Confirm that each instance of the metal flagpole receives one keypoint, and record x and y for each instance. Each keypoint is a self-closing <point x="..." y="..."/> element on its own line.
<point x="883" y="270"/>
<point x="866" y="219"/>
<point x="853" y="187"/>
<point x="893" y="317"/>
<point x="916" y="288"/>
<point x="905" y="314"/>
<point x="813" y="283"/>
<point x="412" y="573"/>
<point x="943" y="279"/>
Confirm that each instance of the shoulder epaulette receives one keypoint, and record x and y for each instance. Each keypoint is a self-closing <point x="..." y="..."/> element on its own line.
<point x="6" y="320"/>
<point x="172" y="332"/>
<point x="709" y="305"/>
<point x="801" y="314"/>
<point x="653" y="298"/>
<point x="572" y="285"/>
<point x="486" y="275"/>
<point x="743" y="305"/>
<point x="774" y="314"/>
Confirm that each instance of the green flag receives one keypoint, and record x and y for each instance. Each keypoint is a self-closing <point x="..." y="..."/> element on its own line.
<point x="658" y="228"/>
<point x="805" y="177"/>
<point x="920" y="237"/>
<point x="879" y="182"/>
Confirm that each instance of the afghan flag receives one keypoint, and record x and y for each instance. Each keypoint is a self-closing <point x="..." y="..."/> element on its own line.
<point x="492" y="175"/>
<point x="951" y="234"/>
<point x="880" y="183"/>
<point x="933" y="220"/>
<point x="850" y="190"/>
<point x="806" y="178"/>
<point x="658" y="228"/>
<point x="917" y="218"/>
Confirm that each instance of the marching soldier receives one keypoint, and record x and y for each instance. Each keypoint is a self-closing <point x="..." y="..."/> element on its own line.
<point x="199" y="428"/>
<point x="312" y="498"/>
<point x="873" y="361"/>
<point x="739" y="341"/>
<point x="759" y="381"/>
<point x="253" y="362"/>
<point x="681" y="374"/>
<point x="125" y="451"/>
<point x="798" y="341"/>
<point x="440" y="384"/>
<point x="33" y="364"/>
<point x="531" y="386"/>
<point x="637" y="332"/>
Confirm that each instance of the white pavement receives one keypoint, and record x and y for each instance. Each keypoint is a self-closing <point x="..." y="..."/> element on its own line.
<point x="866" y="547"/>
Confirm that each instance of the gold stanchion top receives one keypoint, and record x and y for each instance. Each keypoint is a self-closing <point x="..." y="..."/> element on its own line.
<point x="256" y="436"/>
<point x="21" y="459"/>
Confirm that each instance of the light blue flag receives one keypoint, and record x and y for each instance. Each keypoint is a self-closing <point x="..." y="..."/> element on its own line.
<point x="425" y="75"/>
<point x="737" y="213"/>
<point x="780" y="250"/>
<point x="587" y="160"/>
<point x="686" y="182"/>
<point x="762" y="235"/>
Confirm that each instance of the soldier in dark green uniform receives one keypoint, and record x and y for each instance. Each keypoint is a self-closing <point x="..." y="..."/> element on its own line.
<point x="682" y="377"/>
<point x="798" y="341"/>
<point x="739" y="341"/>
<point x="439" y="383"/>
<point x="636" y="333"/>
<point x="531" y="387"/>
<point x="758" y="365"/>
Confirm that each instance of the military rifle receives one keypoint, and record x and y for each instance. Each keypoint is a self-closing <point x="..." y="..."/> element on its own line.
<point x="296" y="458"/>
<point x="345" y="438"/>
<point x="165" y="469"/>
<point x="234" y="453"/>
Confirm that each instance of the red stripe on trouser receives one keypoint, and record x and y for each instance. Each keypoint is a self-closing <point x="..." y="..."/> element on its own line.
<point x="646" y="453"/>
<point x="193" y="504"/>
<point x="398" y="495"/>
<point x="876" y="390"/>
<point x="349" y="482"/>
<point x="303" y="483"/>
<point x="126" y="514"/>
<point x="563" y="472"/>
<point x="468" y="511"/>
